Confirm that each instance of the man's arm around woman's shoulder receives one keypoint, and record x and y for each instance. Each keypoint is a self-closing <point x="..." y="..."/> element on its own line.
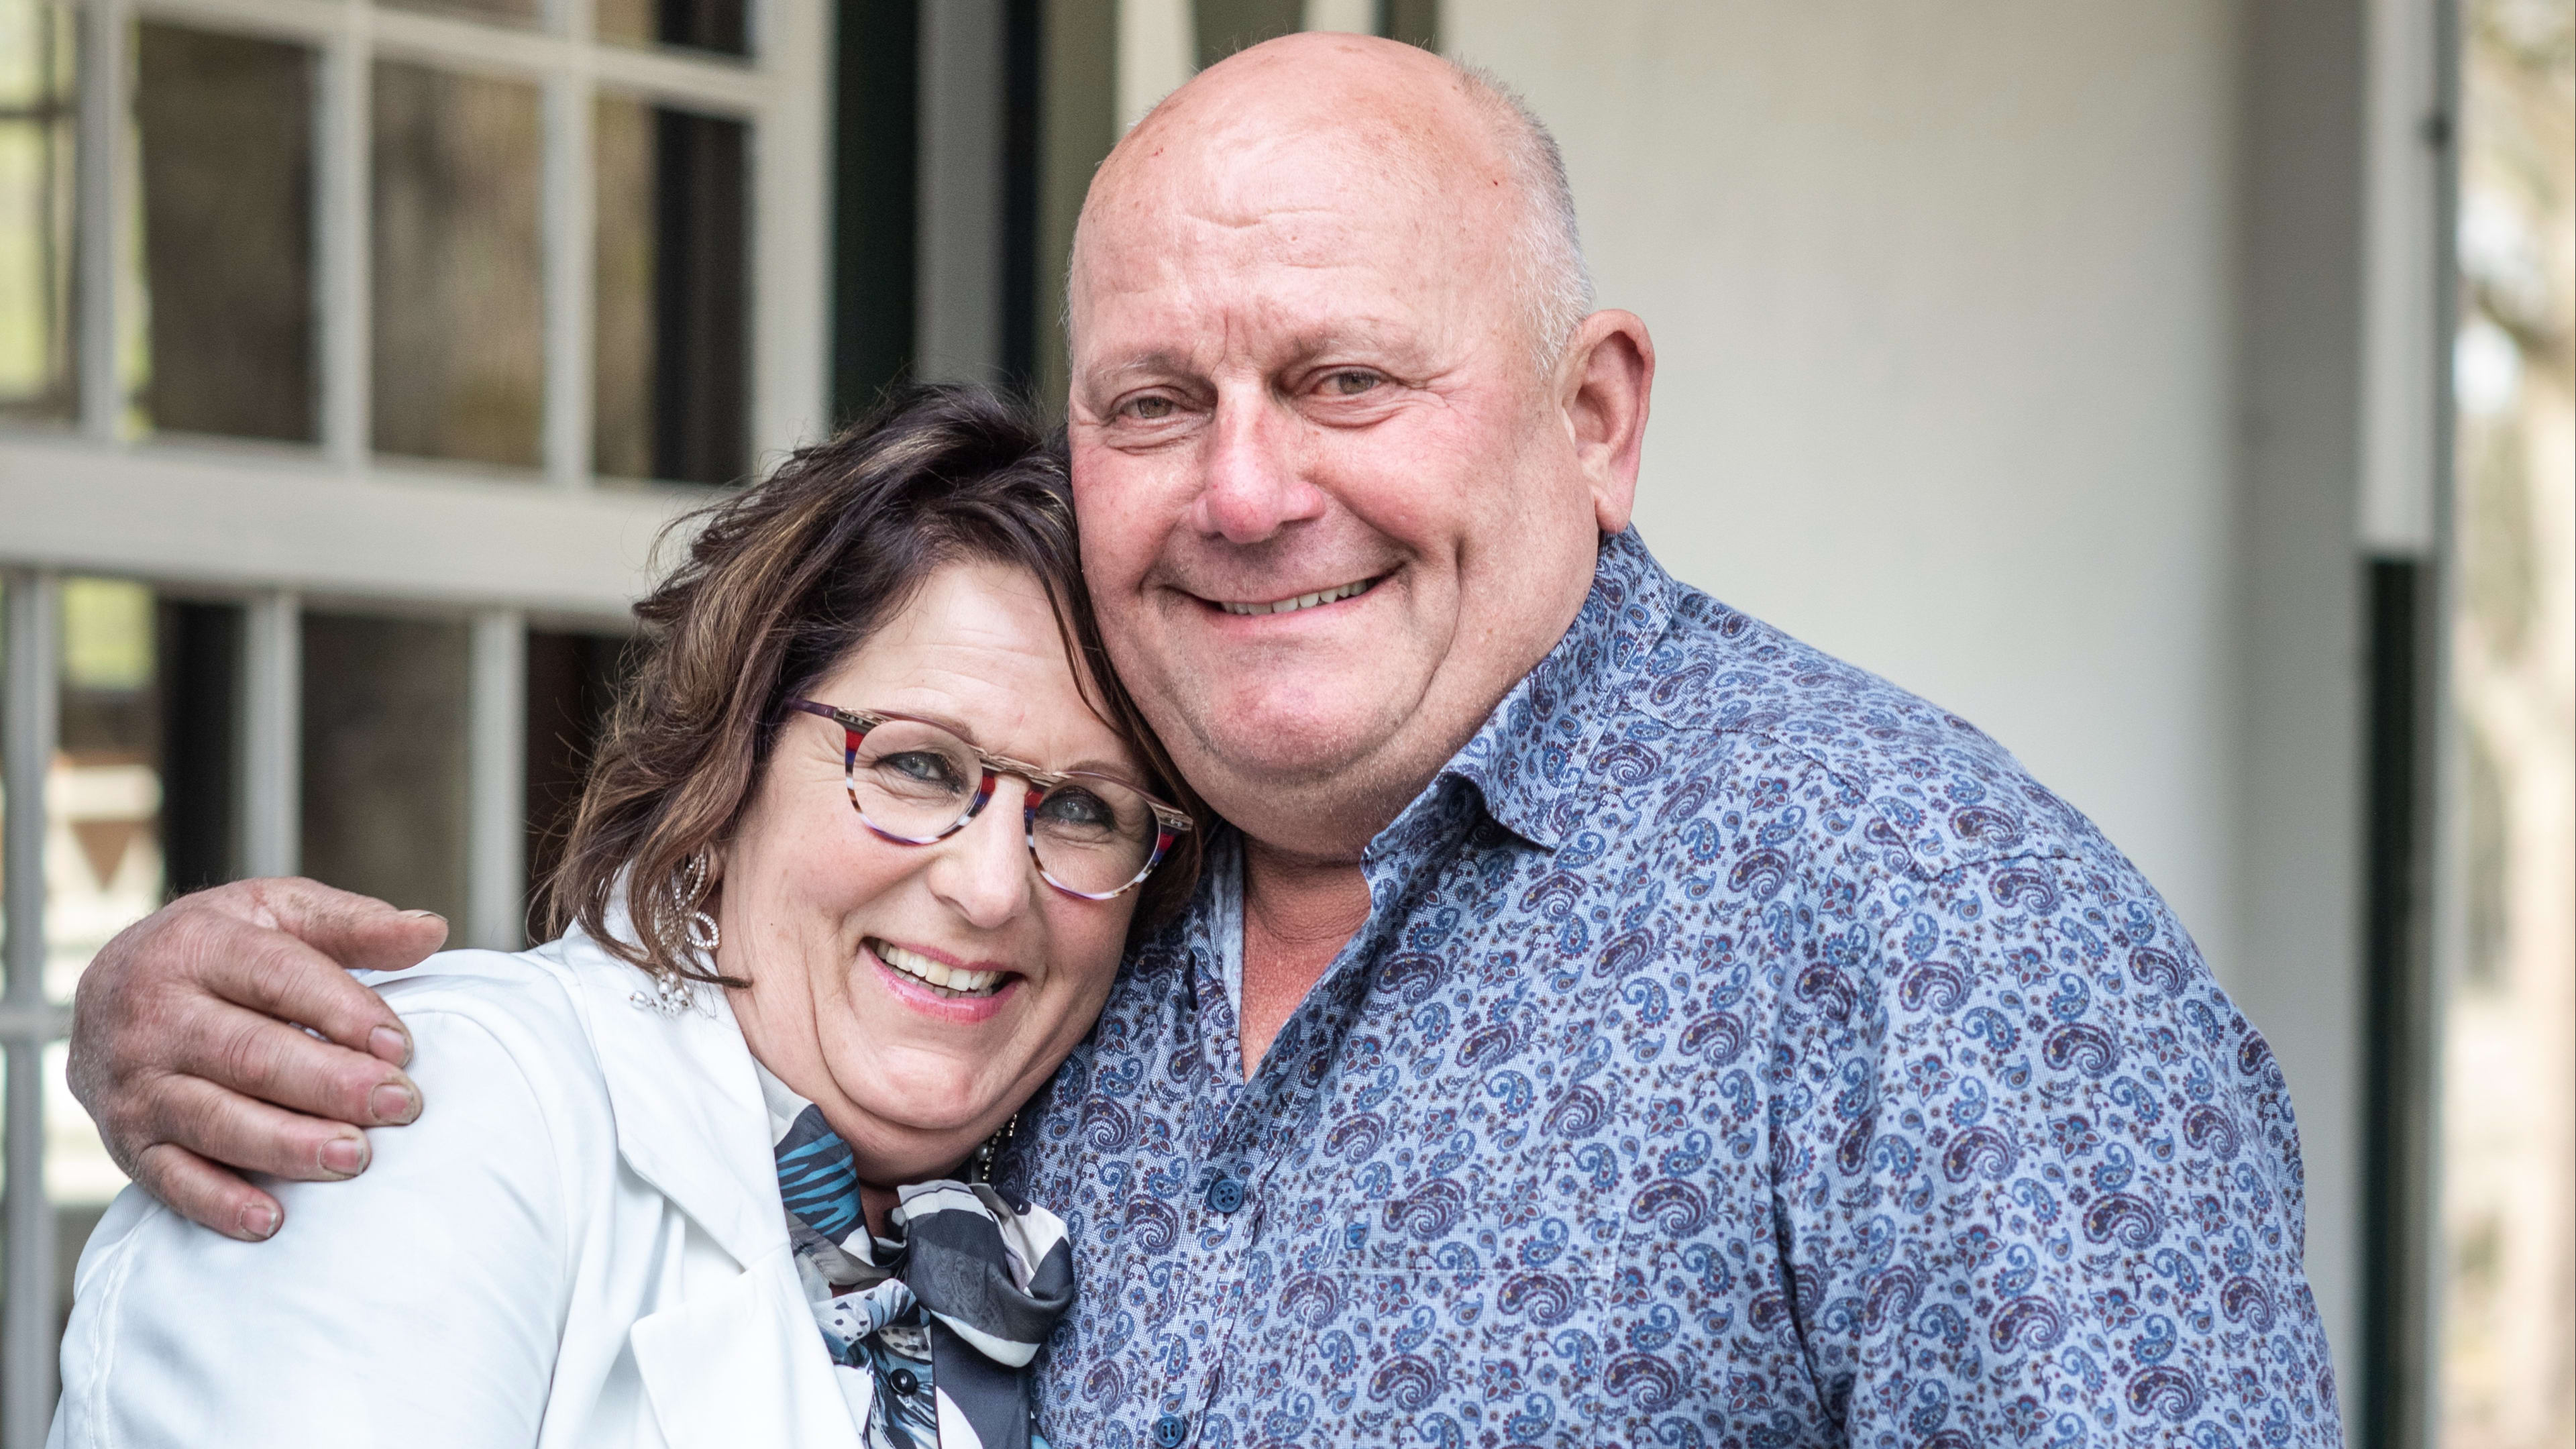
<point x="422" y="1303"/>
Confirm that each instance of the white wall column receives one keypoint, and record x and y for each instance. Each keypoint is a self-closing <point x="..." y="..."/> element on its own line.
<point x="272" y="734"/>
<point x="496" y="774"/>
<point x="33" y="713"/>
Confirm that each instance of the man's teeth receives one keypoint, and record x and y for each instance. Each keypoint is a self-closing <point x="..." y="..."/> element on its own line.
<point x="1303" y="601"/>
<point x="949" y="980"/>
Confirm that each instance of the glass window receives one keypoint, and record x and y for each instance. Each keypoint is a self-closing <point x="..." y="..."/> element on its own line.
<point x="105" y="866"/>
<point x="39" y="106"/>
<point x="671" y="318"/>
<point x="718" y="25"/>
<point x="459" y="316"/>
<point x="200" y="659"/>
<point x="225" y="131"/>
<point x="385" y="706"/>
<point x="572" y="681"/>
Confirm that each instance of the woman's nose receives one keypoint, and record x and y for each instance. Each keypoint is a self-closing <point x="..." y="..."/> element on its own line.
<point x="982" y="872"/>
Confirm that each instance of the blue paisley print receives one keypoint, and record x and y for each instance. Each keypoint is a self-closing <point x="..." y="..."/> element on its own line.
<point x="1740" y="1052"/>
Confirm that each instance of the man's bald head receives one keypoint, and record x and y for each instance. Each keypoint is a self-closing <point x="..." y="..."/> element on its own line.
<point x="1423" y="123"/>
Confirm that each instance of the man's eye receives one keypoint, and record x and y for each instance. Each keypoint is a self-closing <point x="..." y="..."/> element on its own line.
<point x="1149" y="409"/>
<point x="1351" y="382"/>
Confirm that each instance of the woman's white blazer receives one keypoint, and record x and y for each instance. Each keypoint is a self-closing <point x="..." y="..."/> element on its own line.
<point x="580" y="1242"/>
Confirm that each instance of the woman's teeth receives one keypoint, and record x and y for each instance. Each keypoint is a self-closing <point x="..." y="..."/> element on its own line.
<point x="1303" y="601"/>
<point x="946" y="980"/>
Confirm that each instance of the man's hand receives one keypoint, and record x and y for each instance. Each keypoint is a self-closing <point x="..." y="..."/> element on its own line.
<point x="189" y="1051"/>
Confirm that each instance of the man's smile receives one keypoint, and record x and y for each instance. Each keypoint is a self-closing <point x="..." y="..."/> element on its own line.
<point x="1294" y="602"/>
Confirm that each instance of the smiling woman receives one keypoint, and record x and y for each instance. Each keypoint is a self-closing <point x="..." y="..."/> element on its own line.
<point x="695" y="1169"/>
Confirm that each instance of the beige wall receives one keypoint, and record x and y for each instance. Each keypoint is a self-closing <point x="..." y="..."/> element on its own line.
<point x="1949" y="302"/>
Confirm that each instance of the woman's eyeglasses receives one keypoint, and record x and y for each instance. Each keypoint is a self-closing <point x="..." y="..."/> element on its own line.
<point x="916" y="783"/>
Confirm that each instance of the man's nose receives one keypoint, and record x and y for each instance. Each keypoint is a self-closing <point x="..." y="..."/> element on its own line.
<point x="982" y="872"/>
<point x="1251" y="486"/>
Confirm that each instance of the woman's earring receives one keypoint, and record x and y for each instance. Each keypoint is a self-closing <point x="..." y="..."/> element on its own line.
<point x="691" y="894"/>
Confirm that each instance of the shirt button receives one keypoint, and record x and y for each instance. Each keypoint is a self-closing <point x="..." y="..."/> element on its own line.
<point x="902" y="1381"/>
<point x="1225" y="1195"/>
<point x="1169" y="1431"/>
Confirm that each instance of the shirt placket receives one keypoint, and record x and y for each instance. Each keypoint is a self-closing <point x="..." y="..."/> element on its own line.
<point x="1240" y="1165"/>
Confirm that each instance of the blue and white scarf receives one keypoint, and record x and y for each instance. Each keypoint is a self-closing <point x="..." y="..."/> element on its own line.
<point x="942" y="1319"/>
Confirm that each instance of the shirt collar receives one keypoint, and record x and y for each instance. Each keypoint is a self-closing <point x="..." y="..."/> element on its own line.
<point x="1534" y="751"/>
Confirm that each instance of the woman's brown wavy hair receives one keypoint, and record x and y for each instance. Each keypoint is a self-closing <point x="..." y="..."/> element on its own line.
<point x="782" y="581"/>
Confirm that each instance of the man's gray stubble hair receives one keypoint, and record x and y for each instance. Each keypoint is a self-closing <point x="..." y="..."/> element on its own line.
<point x="1547" y="244"/>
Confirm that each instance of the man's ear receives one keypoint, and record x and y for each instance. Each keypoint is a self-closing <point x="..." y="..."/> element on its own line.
<point x="1604" y="385"/>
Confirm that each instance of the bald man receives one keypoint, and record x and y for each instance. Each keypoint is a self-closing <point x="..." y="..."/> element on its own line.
<point x="1606" y="1021"/>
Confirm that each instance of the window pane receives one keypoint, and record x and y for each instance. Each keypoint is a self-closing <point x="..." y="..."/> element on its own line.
<point x="201" y="742"/>
<point x="670" y="358"/>
<point x="720" y="25"/>
<point x="225" y="125"/>
<point x="39" y="104"/>
<point x="572" y="681"/>
<point x="459" y="332"/>
<point x="384" y="758"/>
<point x="103" y="850"/>
<point x="103" y="868"/>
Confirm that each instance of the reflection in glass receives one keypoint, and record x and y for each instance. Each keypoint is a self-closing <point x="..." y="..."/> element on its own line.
<point x="384" y="758"/>
<point x="671" y="357"/>
<point x="39" y="105"/>
<point x="226" y="131"/>
<point x="459" y="330"/>
<point x="719" y="25"/>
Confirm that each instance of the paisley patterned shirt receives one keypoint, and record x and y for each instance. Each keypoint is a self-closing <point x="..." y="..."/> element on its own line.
<point x="1739" y="1052"/>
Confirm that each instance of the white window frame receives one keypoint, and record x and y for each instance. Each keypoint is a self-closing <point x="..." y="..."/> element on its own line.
<point x="271" y="524"/>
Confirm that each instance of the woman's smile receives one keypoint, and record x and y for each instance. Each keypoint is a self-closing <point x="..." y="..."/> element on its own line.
<point x="949" y="977"/>
<point x="959" y="995"/>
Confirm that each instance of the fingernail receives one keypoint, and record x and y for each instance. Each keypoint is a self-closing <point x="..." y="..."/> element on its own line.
<point x="258" y="1221"/>
<point x="389" y="1045"/>
<point x="426" y="916"/>
<point x="394" y="1104"/>
<point x="346" y="1156"/>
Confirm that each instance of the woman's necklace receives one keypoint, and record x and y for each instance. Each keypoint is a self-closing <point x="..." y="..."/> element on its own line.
<point x="980" y="1167"/>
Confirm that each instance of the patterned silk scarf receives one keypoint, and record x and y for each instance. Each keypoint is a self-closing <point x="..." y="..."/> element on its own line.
<point x="944" y="1317"/>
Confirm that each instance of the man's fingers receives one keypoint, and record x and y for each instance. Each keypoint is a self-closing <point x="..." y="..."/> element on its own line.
<point x="244" y="1052"/>
<point x="207" y="1121"/>
<point x="206" y="1194"/>
<point x="265" y="970"/>
<point x="360" y="932"/>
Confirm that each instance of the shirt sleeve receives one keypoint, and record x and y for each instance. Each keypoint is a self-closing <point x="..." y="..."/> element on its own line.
<point x="419" y="1304"/>
<point x="2037" y="1179"/>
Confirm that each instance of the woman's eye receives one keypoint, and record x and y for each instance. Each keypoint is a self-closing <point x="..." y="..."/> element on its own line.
<point x="1149" y="409"/>
<point x="922" y="767"/>
<point x="1078" y="808"/>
